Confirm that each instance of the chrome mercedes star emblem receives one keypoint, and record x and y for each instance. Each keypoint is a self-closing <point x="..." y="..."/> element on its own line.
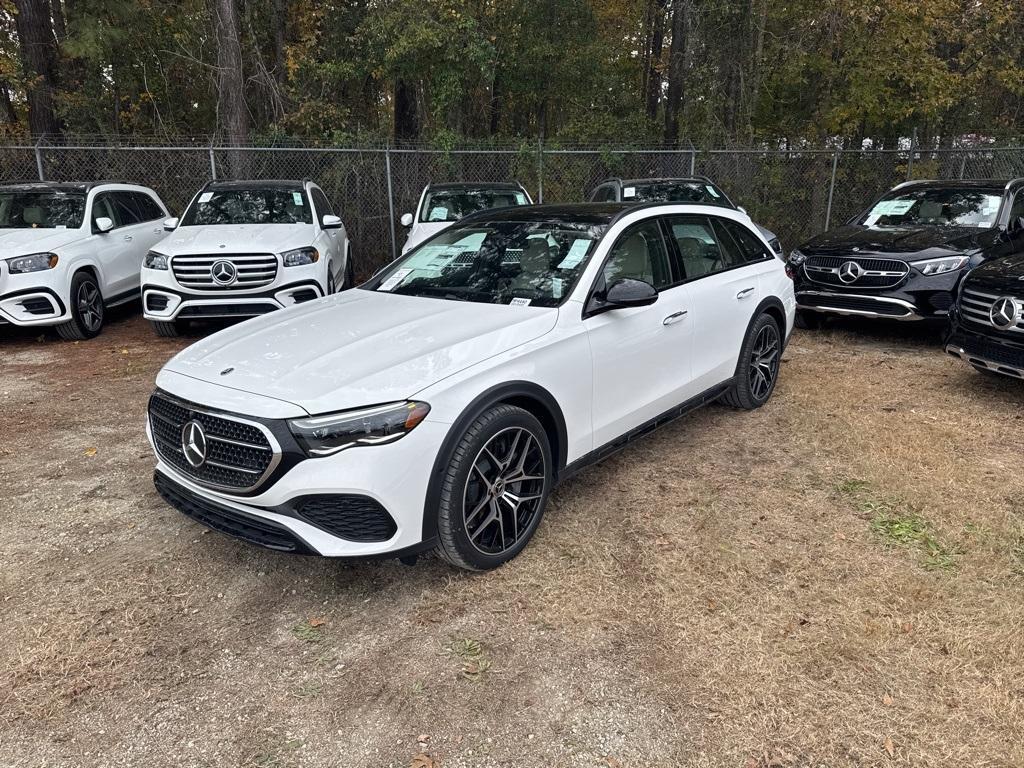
<point x="1005" y="312"/>
<point x="223" y="272"/>
<point x="193" y="443"/>
<point x="849" y="272"/>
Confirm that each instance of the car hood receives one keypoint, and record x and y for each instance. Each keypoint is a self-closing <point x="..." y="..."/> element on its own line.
<point x="904" y="241"/>
<point x="422" y="231"/>
<point x="1005" y="275"/>
<point x="20" y="242"/>
<point x="236" y="238"/>
<point x="358" y="348"/>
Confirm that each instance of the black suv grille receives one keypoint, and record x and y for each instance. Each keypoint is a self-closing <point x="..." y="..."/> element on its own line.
<point x="993" y="351"/>
<point x="352" y="517"/>
<point x="873" y="273"/>
<point x="251" y="529"/>
<point x="976" y="308"/>
<point x="238" y="455"/>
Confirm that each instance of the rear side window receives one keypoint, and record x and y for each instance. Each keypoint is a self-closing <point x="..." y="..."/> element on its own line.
<point x="640" y="254"/>
<point x="750" y="246"/>
<point x="146" y="206"/>
<point x="605" y="194"/>
<point x="126" y="209"/>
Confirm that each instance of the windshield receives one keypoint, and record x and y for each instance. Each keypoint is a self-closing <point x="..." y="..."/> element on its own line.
<point x="535" y="263"/>
<point x="935" y="207"/>
<point x="248" y="206"/>
<point x="453" y="204"/>
<point x="42" y="210"/>
<point x="674" y="192"/>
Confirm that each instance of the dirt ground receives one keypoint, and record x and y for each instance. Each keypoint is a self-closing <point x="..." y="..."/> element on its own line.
<point x="833" y="580"/>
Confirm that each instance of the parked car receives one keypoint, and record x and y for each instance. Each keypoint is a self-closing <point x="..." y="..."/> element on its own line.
<point x="442" y="204"/>
<point x="694" y="189"/>
<point x="71" y="250"/>
<point x="904" y="257"/>
<point x="987" y="324"/>
<point x="244" y="248"/>
<point x="437" y="405"/>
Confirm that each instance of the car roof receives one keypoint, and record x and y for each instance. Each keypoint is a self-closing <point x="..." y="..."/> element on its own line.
<point x="581" y="213"/>
<point x="513" y="185"/>
<point x="257" y="183"/>
<point x="999" y="184"/>
<point x="64" y="186"/>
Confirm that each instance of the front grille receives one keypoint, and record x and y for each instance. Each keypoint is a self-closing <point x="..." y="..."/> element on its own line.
<point x="37" y="305"/>
<point x="992" y="351"/>
<point x="239" y="454"/>
<point x="348" y="516"/>
<point x="253" y="271"/>
<point x="976" y="309"/>
<point x="248" y="528"/>
<point x="874" y="273"/>
<point x="853" y="303"/>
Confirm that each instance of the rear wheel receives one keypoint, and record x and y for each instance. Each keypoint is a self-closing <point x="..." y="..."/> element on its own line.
<point x="758" y="368"/>
<point x="86" y="309"/>
<point x="168" y="329"/>
<point x="331" y="287"/>
<point x="494" y="489"/>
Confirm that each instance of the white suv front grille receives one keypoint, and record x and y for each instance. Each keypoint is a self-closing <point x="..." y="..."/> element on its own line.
<point x="254" y="270"/>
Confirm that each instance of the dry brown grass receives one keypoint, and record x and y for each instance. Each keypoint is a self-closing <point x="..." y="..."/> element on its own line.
<point x="739" y="589"/>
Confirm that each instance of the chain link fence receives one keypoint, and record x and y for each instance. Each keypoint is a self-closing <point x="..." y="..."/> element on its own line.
<point x="794" y="193"/>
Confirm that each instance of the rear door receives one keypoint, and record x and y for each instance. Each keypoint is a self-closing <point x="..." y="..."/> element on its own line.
<point x="724" y="291"/>
<point x="113" y="248"/>
<point x="641" y="355"/>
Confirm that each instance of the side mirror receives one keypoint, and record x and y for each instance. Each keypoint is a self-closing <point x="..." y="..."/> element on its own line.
<point x="104" y="224"/>
<point x="330" y="222"/>
<point x="1017" y="225"/>
<point x="741" y="209"/>
<point x="406" y="220"/>
<point x="628" y="292"/>
<point x="170" y="224"/>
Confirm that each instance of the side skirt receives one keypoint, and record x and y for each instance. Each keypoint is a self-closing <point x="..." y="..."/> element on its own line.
<point x="616" y="445"/>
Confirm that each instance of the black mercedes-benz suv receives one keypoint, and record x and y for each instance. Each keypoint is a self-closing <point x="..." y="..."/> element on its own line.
<point x="904" y="257"/>
<point x="987" y="322"/>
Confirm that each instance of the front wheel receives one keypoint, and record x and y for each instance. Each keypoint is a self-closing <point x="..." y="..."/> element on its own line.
<point x="758" y="368"/>
<point x="168" y="329"/>
<point x="350" y="273"/>
<point x="494" y="489"/>
<point x="809" y="319"/>
<point x="86" y="309"/>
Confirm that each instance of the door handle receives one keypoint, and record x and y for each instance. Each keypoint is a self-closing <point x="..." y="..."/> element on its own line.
<point x="128" y="238"/>
<point x="675" y="317"/>
<point x="744" y="293"/>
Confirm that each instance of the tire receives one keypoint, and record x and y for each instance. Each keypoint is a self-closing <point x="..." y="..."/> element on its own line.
<point x="809" y="320"/>
<point x="350" y="273"/>
<point x="87" y="311"/>
<point x="331" y="287"/>
<point x="168" y="330"/>
<point x="478" y="526"/>
<point x="758" y="368"/>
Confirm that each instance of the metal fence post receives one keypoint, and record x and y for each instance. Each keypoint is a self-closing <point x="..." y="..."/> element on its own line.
<point x="39" y="160"/>
<point x="391" y="203"/>
<point x="213" y="164"/>
<point x="963" y="164"/>
<point x="910" y="157"/>
<point x="831" y="188"/>
<point x="540" y="171"/>
<point x="693" y="161"/>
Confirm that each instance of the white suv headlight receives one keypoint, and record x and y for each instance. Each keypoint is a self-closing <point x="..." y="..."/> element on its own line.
<point x="155" y="260"/>
<point x="300" y="257"/>
<point x="35" y="262"/>
<point x="333" y="432"/>
<point x="941" y="266"/>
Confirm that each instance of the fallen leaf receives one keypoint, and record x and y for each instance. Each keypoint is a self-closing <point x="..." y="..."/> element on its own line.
<point x="889" y="746"/>
<point x="423" y="760"/>
<point x="89" y="451"/>
<point x="887" y="700"/>
<point x="317" y="622"/>
<point x="612" y="762"/>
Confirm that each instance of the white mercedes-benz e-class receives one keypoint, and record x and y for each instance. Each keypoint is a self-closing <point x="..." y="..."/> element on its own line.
<point x="437" y="405"/>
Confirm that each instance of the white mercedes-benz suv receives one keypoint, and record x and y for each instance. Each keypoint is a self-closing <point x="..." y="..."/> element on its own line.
<point x="443" y="204"/>
<point x="70" y="250"/>
<point x="244" y="248"/>
<point x="435" y="406"/>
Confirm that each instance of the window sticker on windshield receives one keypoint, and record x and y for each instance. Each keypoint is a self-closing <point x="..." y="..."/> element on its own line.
<point x="440" y="213"/>
<point x="297" y="198"/>
<point x="557" y="287"/>
<point x="628" y="192"/>
<point x="711" y="190"/>
<point x="519" y="302"/>
<point x="576" y="253"/>
<point x="206" y="197"/>
<point x="393" y="282"/>
<point x="520" y="198"/>
<point x="991" y="205"/>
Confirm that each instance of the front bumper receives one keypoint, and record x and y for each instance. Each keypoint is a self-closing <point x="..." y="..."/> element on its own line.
<point x="985" y="350"/>
<point x="302" y="507"/>
<point x="160" y="302"/>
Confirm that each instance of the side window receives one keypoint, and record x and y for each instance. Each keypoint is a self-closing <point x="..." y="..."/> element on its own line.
<point x="1017" y="209"/>
<point x="147" y="206"/>
<point x="127" y="212"/>
<point x="640" y="254"/>
<point x="603" y="194"/>
<point x="322" y="204"/>
<point x="703" y="248"/>
<point x="750" y="246"/>
<point x="102" y="206"/>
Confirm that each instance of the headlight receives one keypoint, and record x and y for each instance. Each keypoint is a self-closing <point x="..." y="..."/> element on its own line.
<point x="796" y="257"/>
<point x="155" y="260"/>
<point x="333" y="432"/>
<point x="300" y="257"/>
<point x="35" y="262"/>
<point x="941" y="266"/>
